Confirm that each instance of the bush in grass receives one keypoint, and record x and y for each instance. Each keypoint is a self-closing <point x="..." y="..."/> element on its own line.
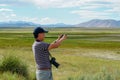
<point x="14" y="65"/>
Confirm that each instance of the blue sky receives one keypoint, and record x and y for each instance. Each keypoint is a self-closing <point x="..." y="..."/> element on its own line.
<point x="58" y="11"/>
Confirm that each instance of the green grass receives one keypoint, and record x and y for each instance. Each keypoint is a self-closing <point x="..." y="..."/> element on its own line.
<point x="85" y="52"/>
<point x="102" y="75"/>
<point x="26" y="39"/>
<point x="10" y="76"/>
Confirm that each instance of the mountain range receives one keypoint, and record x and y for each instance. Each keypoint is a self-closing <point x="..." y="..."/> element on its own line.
<point x="100" y="23"/>
<point x="18" y="24"/>
<point x="109" y="23"/>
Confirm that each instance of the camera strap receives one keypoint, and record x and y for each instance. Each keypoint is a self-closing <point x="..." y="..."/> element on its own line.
<point x="50" y="55"/>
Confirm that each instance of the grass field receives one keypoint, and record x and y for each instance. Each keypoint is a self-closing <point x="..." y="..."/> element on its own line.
<point x="86" y="52"/>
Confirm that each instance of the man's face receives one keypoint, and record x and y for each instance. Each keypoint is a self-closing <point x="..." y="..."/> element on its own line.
<point x="41" y="36"/>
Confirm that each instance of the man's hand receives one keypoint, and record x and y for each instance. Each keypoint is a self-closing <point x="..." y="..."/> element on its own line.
<point x="62" y="36"/>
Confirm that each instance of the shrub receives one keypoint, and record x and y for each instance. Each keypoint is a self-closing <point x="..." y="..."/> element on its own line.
<point x="14" y="65"/>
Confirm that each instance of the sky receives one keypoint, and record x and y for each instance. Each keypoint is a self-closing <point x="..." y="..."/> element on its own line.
<point x="58" y="11"/>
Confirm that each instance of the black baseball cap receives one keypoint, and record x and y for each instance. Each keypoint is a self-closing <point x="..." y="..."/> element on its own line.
<point x="38" y="30"/>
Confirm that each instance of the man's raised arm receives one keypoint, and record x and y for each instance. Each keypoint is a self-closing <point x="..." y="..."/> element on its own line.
<point x="57" y="43"/>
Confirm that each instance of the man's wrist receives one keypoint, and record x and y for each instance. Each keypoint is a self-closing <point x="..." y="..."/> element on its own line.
<point x="55" y="41"/>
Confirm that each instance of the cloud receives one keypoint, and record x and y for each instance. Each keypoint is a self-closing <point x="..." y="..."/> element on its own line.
<point x="90" y="14"/>
<point x="7" y="16"/>
<point x="61" y="3"/>
<point x="104" y="9"/>
<point x="47" y="20"/>
<point x="5" y="10"/>
<point x="3" y="5"/>
<point x="15" y="2"/>
<point x="84" y="9"/>
<point x="29" y="19"/>
<point x="71" y="3"/>
<point x="13" y="15"/>
<point x="89" y="9"/>
<point x="55" y="3"/>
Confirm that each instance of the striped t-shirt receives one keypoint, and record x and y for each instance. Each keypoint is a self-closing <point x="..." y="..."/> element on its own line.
<point x="41" y="54"/>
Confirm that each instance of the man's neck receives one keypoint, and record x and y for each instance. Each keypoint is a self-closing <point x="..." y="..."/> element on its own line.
<point x="38" y="40"/>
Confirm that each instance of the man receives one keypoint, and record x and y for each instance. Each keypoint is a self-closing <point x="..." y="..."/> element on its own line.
<point x="41" y="53"/>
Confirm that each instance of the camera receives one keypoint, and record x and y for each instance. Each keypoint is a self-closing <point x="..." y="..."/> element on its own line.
<point x="53" y="61"/>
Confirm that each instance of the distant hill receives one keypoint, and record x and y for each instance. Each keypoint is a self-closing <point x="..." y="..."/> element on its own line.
<point x="57" y="25"/>
<point x="109" y="23"/>
<point x="30" y="24"/>
<point x="100" y="23"/>
<point x="18" y="24"/>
